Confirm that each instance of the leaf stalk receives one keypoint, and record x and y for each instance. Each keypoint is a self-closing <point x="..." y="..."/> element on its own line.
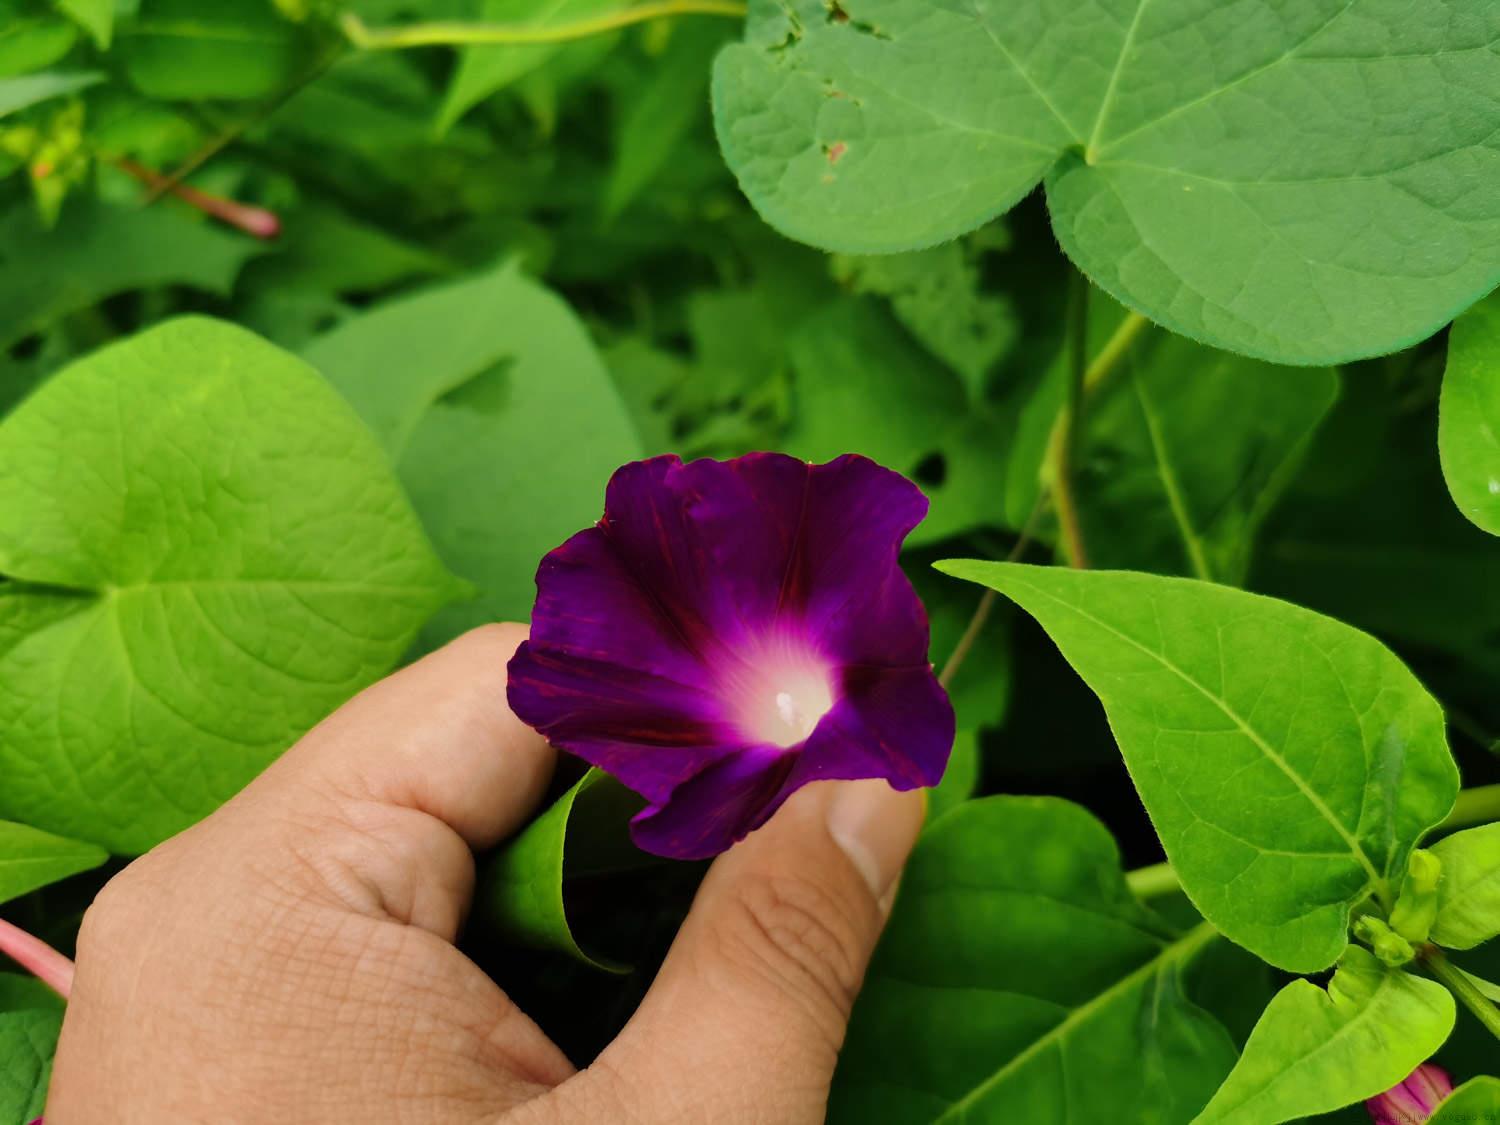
<point x="1457" y="982"/>
<point x="455" y="34"/>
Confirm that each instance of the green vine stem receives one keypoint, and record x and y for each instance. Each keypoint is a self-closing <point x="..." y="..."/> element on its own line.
<point x="367" y="38"/>
<point x="1458" y="983"/>
<point x="1095" y="375"/>
<point x="1479" y="805"/>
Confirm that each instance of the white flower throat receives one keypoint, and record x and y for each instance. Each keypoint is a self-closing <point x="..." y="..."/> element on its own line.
<point x="781" y="694"/>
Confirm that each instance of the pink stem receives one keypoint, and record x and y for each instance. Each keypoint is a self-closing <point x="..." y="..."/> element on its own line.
<point x="37" y="958"/>
<point x="252" y="220"/>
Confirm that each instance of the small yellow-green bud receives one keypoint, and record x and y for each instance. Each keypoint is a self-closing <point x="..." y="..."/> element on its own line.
<point x="1389" y="946"/>
<point x="1416" y="909"/>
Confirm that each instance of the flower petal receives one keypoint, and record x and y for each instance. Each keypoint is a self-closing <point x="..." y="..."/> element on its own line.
<point x="721" y="805"/>
<point x="607" y="677"/>
<point x="895" y="723"/>
<point x="730" y="546"/>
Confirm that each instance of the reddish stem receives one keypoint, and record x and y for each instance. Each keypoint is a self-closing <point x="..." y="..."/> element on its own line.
<point x="37" y="958"/>
<point x="252" y="220"/>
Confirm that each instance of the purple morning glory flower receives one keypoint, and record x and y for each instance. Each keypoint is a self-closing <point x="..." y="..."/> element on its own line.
<point x="729" y="632"/>
<point x="1413" y="1100"/>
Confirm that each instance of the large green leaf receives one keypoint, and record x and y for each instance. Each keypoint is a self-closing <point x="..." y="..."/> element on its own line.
<point x="30" y="858"/>
<point x="1314" y="1051"/>
<point x="1155" y="492"/>
<point x="1469" y="890"/>
<point x="1289" y="762"/>
<point x="98" y="250"/>
<point x="184" y="49"/>
<point x="1019" y="981"/>
<point x="500" y="418"/>
<point x="209" y="553"/>
<point x="27" y="1042"/>
<point x="1305" y="183"/>
<point x="1469" y="426"/>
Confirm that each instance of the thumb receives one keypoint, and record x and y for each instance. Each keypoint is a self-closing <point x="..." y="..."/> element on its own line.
<point x="747" y="1016"/>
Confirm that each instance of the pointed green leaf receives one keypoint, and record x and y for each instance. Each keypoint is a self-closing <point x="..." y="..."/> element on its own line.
<point x="1315" y="1051"/>
<point x="30" y="858"/>
<point x="29" y="89"/>
<point x="482" y="71"/>
<point x="1469" y="891"/>
<point x="209" y="554"/>
<point x="1288" y="761"/>
<point x="27" y="1042"/>
<point x="1019" y="981"/>
<point x="97" y="17"/>
<point x="1155" y="494"/>
<point x="473" y="388"/>
<point x="1469" y="423"/>
<point x="1303" y="183"/>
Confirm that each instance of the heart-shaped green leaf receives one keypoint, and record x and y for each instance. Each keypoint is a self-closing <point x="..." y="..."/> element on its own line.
<point x="30" y="859"/>
<point x="1289" y="762"/>
<point x="474" y="388"/>
<point x="1469" y="890"/>
<point x="1314" y="1051"/>
<point x="209" y="553"/>
<point x="1018" y="980"/>
<point x="1305" y="183"/>
<point x="1469" y="423"/>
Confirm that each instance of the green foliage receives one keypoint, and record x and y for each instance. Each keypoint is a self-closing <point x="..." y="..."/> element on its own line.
<point x="1315" y="1050"/>
<point x="1255" y="196"/>
<point x="27" y="1041"/>
<point x="1469" y="891"/>
<point x="522" y="894"/>
<point x="19" y="93"/>
<point x="1476" y="1100"/>
<point x="96" y="251"/>
<point x="525" y="264"/>
<point x="1156" y="496"/>
<point x="1018" y="980"/>
<point x="1470" y="428"/>
<point x="30" y="859"/>
<point x="481" y="381"/>
<point x="1288" y="762"/>
<point x="177" y="615"/>
<point x="182" y="49"/>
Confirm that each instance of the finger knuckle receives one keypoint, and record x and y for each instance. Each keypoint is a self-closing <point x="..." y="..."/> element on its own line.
<point x="800" y="934"/>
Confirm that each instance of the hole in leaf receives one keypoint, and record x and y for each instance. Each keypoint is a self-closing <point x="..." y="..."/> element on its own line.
<point x="931" y="471"/>
<point x="486" y="392"/>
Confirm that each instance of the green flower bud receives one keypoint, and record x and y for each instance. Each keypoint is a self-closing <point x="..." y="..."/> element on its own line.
<point x="1416" y="909"/>
<point x="1389" y="946"/>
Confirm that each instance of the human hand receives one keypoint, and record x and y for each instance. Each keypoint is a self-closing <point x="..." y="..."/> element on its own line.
<point x="291" y="958"/>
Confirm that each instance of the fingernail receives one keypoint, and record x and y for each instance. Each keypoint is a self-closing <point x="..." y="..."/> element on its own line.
<point x="876" y="827"/>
